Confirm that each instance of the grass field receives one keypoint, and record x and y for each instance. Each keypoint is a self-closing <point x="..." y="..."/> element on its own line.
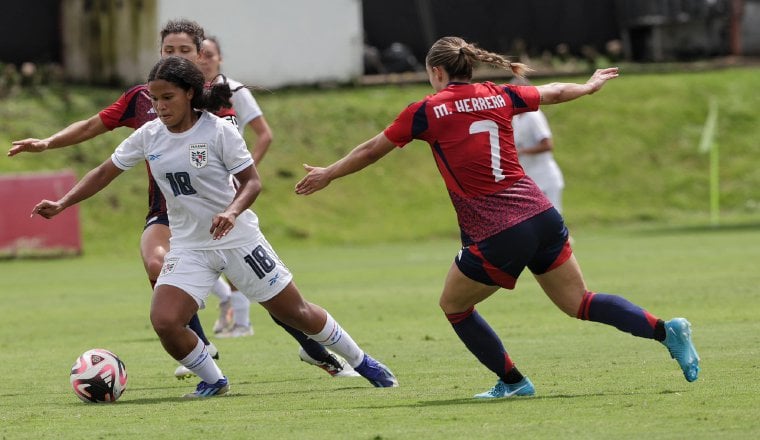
<point x="592" y="381"/>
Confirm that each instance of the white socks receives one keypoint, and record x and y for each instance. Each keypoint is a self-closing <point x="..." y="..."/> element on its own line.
<point x="202" y="364"/>
<point x="242" y="308"/>
<point x="333" y="337"/>
<point x="222" y="290"/>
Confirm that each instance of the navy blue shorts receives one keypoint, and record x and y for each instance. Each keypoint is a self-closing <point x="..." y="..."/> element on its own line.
<point x="538" y="243"/>
<point x="156" y="218"/>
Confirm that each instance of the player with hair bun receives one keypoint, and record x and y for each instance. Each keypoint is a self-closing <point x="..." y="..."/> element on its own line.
<point x="505" y="220"/>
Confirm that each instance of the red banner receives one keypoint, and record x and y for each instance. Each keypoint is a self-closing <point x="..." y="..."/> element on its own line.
<point x="22" y="235"/>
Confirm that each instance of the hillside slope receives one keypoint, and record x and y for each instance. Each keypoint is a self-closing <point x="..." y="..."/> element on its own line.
<point x="629" y="154"/>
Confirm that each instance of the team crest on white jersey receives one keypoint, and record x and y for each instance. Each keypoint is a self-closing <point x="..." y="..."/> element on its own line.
<point x="199" y="155"/>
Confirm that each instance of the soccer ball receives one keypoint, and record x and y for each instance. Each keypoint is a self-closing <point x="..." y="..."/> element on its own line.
<point x="98" y="376"/>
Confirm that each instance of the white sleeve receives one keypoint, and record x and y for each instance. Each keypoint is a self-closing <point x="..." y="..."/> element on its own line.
<point x="540" y="126"/>
<point x="130" y="152"/>
<point x="235" y="154"/>
<point x="245" y="106"/>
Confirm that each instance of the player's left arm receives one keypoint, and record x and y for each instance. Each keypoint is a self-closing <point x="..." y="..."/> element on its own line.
<point x="249" y="187"/>
<point x="264" y="137"/>
<point x="97" y="179"/>
<point x="555" y="93"/>
<point x="543" y="145"/>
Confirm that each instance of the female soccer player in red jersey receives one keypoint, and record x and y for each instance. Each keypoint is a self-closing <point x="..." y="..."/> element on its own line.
<point x="506" y="223"/>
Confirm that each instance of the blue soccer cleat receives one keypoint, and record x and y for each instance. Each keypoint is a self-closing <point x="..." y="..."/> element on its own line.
<point x="204" y="389"/>
<point x="678" y="342"/>
<point x="502" y="390"/>
<point x="376" y="373"/>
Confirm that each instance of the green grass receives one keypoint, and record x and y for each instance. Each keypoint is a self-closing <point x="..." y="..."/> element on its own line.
<point x="629" y="155"/>
<point x="592" y="381"/>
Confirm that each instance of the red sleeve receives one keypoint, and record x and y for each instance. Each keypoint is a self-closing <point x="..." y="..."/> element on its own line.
<point x="401" y="131"/>
<point x="524" y="98"/>
<point x="125" y="111"/>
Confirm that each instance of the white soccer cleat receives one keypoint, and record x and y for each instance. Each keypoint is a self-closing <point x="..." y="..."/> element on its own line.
<point x="182" y="373"/>
<point x="335" y="366"/>
<point x="212" y="350"/>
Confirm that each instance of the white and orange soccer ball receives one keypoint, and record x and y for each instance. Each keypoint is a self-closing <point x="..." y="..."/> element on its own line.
<point x="98" y="376"/>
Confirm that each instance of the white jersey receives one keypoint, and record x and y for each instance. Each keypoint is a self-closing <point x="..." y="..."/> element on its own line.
<point x="193" y="170"/>
<point x="530" y="128"/>
<point x="245" y="105"/>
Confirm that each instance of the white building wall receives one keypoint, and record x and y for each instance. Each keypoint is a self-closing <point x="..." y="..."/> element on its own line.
<point x="273" y="43"/>
<point x="267" y="43"/>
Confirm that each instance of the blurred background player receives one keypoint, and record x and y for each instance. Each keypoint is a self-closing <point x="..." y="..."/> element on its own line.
<point x="234" y="308"/>
<point x="533" y="140"/>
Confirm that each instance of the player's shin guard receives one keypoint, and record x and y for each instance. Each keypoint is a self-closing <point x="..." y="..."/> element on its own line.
<point x="333" y="336"/>
<point x="202" y="364"/>
<point x="483" y="342"/>
<point x="620" y="313"/>
<point x="313" y="348"/>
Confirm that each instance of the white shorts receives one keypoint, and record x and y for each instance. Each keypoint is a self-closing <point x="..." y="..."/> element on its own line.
<point x="255" y="269"/>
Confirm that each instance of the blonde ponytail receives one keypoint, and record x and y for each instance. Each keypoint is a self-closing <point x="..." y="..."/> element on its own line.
<point x="457" y="57"/>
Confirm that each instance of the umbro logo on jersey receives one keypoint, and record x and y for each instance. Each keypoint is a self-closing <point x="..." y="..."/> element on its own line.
<point x="152" y="157"/>
<point x="152" y="111"/>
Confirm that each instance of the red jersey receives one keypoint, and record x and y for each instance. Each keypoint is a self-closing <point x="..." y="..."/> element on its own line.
<point x="133" y="109"/>
<point x="469" y="130"/>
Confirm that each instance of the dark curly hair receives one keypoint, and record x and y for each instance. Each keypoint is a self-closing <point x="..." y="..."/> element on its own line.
<point x="189" y="27"/>
<point x="186" y="75"/>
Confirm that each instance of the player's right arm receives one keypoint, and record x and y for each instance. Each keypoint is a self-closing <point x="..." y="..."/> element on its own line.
<point x="97" y="179"/>
<point x="75" y="133"/>
<point x="365" y="154"/>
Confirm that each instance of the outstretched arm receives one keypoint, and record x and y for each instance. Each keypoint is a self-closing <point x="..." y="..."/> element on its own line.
<point x="90" y="185"/>
<point x="75" y="133"/>
<point x="556" y="93"/>
<point x="360" y="157"/>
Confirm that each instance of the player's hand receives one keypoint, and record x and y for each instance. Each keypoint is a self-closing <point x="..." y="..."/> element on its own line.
<point x="315" y="179"/>
<point x="600" y="77"/>
<point x="222" y="224"/>
<point x="47" y="209"/>
<point x="30" y="145"/>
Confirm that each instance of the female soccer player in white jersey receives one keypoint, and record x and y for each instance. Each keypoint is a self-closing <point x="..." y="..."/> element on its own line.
<point x="192" y="156"/>
<point x="507" y="224"/>
<point x="133" y="109"/>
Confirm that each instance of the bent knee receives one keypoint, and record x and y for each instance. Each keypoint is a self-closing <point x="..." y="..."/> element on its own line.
<point x="164" y="323"/>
